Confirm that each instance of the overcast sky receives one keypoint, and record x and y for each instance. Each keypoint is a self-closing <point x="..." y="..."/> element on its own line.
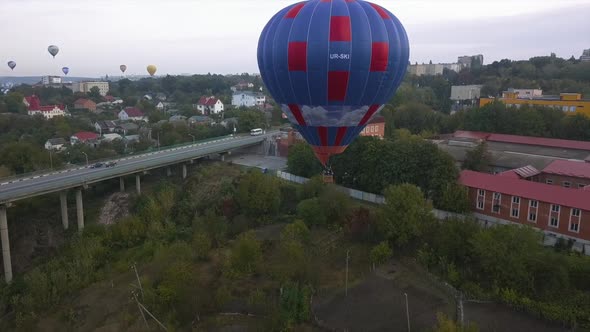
<point x="221" y="36"/>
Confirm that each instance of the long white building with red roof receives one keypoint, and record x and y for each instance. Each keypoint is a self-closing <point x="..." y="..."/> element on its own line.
<point x="48" y="111"/>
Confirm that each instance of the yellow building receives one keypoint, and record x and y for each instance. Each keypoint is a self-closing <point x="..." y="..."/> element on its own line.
<point x="570" y="103"/>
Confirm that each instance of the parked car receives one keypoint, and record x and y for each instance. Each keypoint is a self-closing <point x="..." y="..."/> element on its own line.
<point x="111" y="164"/>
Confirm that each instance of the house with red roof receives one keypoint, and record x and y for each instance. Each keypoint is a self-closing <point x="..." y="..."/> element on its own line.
<point x="506" y="198"/>
<point x="567" y="173"/>
<point x="133" y="114"/>
<point x="85" y="137"/>
<point x="83" y="103"/>
<point x="209" y="105"/>
<point x="34" y="107"/>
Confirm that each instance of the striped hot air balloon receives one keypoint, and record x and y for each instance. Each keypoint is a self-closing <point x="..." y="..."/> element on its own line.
<point x="331" y="65"/>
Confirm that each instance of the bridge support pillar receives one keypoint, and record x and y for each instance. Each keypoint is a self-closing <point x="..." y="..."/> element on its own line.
<point x="138" y="184"/>
<point x="184" y="171"/>
<point x="63" y="200"/>
<point x="168" y="171"/>
<point x="5" y="245"/>
<point x="80" y="210"/>
<point x="122" y="184"/>
<point x="223" y="157"/>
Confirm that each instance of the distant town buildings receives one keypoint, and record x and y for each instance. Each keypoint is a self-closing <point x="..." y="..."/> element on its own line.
<point x="527" y="93"/>
<point x="570" y="103"/>
<point x="585" y="55"/>
<point x="432" y="69"/>
<point x="50" y="80"/>
<point x="85" y="87"/>
<point x="248" y="99"/>
<point x="375" y="128"/>
<point x="55" y="144"/>
<point x="133" y="114"/>
<point x="210" y="105"/>
<point x="85" y="137"/>
<point x="83" y="103"/>
<point x="34" y="107"/>
<point x="465" y="92"/>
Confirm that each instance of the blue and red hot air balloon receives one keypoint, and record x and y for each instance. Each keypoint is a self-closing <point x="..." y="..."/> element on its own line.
<point x="331" y="65"/>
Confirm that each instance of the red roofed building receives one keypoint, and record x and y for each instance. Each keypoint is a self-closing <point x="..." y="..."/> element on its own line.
<point x="85" y="104"/>
<point x="567" y="173"/>
<point x="132" y="113"/>
<point x="557" y="211"/>
<point x="375" y="128"/>
<point x="48" y="111"/>
<point x="84" y="137"/>
<point x="210" y="105"/>
<point x="524" y="140"/>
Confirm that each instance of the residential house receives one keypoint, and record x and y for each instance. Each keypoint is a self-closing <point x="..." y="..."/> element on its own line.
<point x="177" y="118"/>
<point x="248" y="99"/>
<point x="161" y="96"/>
<point x="85" y="104"/>
<point x="557" y="211"/>
<point x="126" y="128"/>
<point x="55" y="144"/>
<point x="110" y="137"/>
<point x="210" y="105"/>
<point x="86" y="87"/>
<point x="200" y="120"/>
<point x="375" y="128"/>
<point x="85" y="137"/>
<point x="242" y="86"/>
<point x="133" y="114"/>
<point x="105" y="126"/>
<point x="34" y="107"/>
<point x="160" y="106"/>
<point x="566" y="173"/>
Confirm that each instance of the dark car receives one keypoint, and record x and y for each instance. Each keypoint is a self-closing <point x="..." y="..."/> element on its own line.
<point x="111" y="164"/>
<point x="97" y="165"/>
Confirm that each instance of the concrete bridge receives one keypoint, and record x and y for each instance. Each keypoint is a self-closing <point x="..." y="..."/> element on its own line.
<point x="81" y="177"/>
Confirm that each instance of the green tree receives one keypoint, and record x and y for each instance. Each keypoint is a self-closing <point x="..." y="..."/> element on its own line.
<point x="250" y="119"/>
<point x="259" y="195"/>
<point x="405" y="214"/>
<point x="446" y="324"/>
<point x="312" y="212"/>
<point x="380" y="253"/>
<point x="201" y="245"/>
<point x="296" y="231"/>
<point x="454" y="198"/>
<point x="95" y="95"/>
<point x="246" y="254"/>
<point x="477" y="159"/>
<point x="302" y="161"/>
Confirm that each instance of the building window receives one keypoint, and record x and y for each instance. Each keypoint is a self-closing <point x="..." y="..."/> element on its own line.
<point x="497" y="202"/>
<point x="567" y="184"/>
<point x="481" y="198"/>
<point x="534" y="204"/>
<point x="576" y="212"/>
<point x="574" y="227"/>
<point x="549" y="181"/>
<point x="581" y="185"/>
<point x="514" y="213"/>
<point x="553" y="221"/>
<point x="533" y="217"/>
<point x="555" y="208"/>
<point x="515" y="199"/>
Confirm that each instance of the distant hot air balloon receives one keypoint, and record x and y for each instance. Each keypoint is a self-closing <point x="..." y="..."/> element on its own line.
<point x="151" y="69"/>
<point x="11" y="64"/>
<point x="66" y="70"/>
<point x="53" y="50"/>
<point x="331" y="82"/>
<point x="123" y="68"/>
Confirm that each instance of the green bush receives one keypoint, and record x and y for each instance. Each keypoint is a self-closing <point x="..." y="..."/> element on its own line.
<point x="312" y="212"/>
<point x="380" y="253"/>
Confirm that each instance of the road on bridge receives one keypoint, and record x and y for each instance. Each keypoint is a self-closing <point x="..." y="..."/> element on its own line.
<point x="29" y="186"/>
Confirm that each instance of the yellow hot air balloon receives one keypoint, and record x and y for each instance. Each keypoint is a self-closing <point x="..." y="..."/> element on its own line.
<point x="151" y="69"/>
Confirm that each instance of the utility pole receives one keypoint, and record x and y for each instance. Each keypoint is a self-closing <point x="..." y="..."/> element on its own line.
<point x="51" y="159"/>
<point x="138" y="280"/>
<point x="407" y="311"/>
<point x="85" y="155"/>
<point x="193" y="136"/>
<point x="346" y="280"/>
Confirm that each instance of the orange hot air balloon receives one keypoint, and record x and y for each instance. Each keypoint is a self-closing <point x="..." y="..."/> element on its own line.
<point x="151" y="69"/>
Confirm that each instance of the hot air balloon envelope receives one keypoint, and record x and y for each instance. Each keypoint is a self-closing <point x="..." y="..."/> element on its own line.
<point x="66" y="70"/>
<point x="53" y="50"/>
<point x="331" y="65"/>
<point x="151" y="69"/>
<point x="11" y="64"/>
<point x="123" y="68"/>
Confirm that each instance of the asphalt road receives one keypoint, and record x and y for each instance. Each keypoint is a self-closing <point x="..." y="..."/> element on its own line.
<point x="24" y="187"/>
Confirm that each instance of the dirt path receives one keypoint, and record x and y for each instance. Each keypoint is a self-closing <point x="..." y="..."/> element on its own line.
<point x="115" y="207"/>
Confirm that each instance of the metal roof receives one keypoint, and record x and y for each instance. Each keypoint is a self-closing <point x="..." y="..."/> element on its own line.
<point x="578" y="169"/>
